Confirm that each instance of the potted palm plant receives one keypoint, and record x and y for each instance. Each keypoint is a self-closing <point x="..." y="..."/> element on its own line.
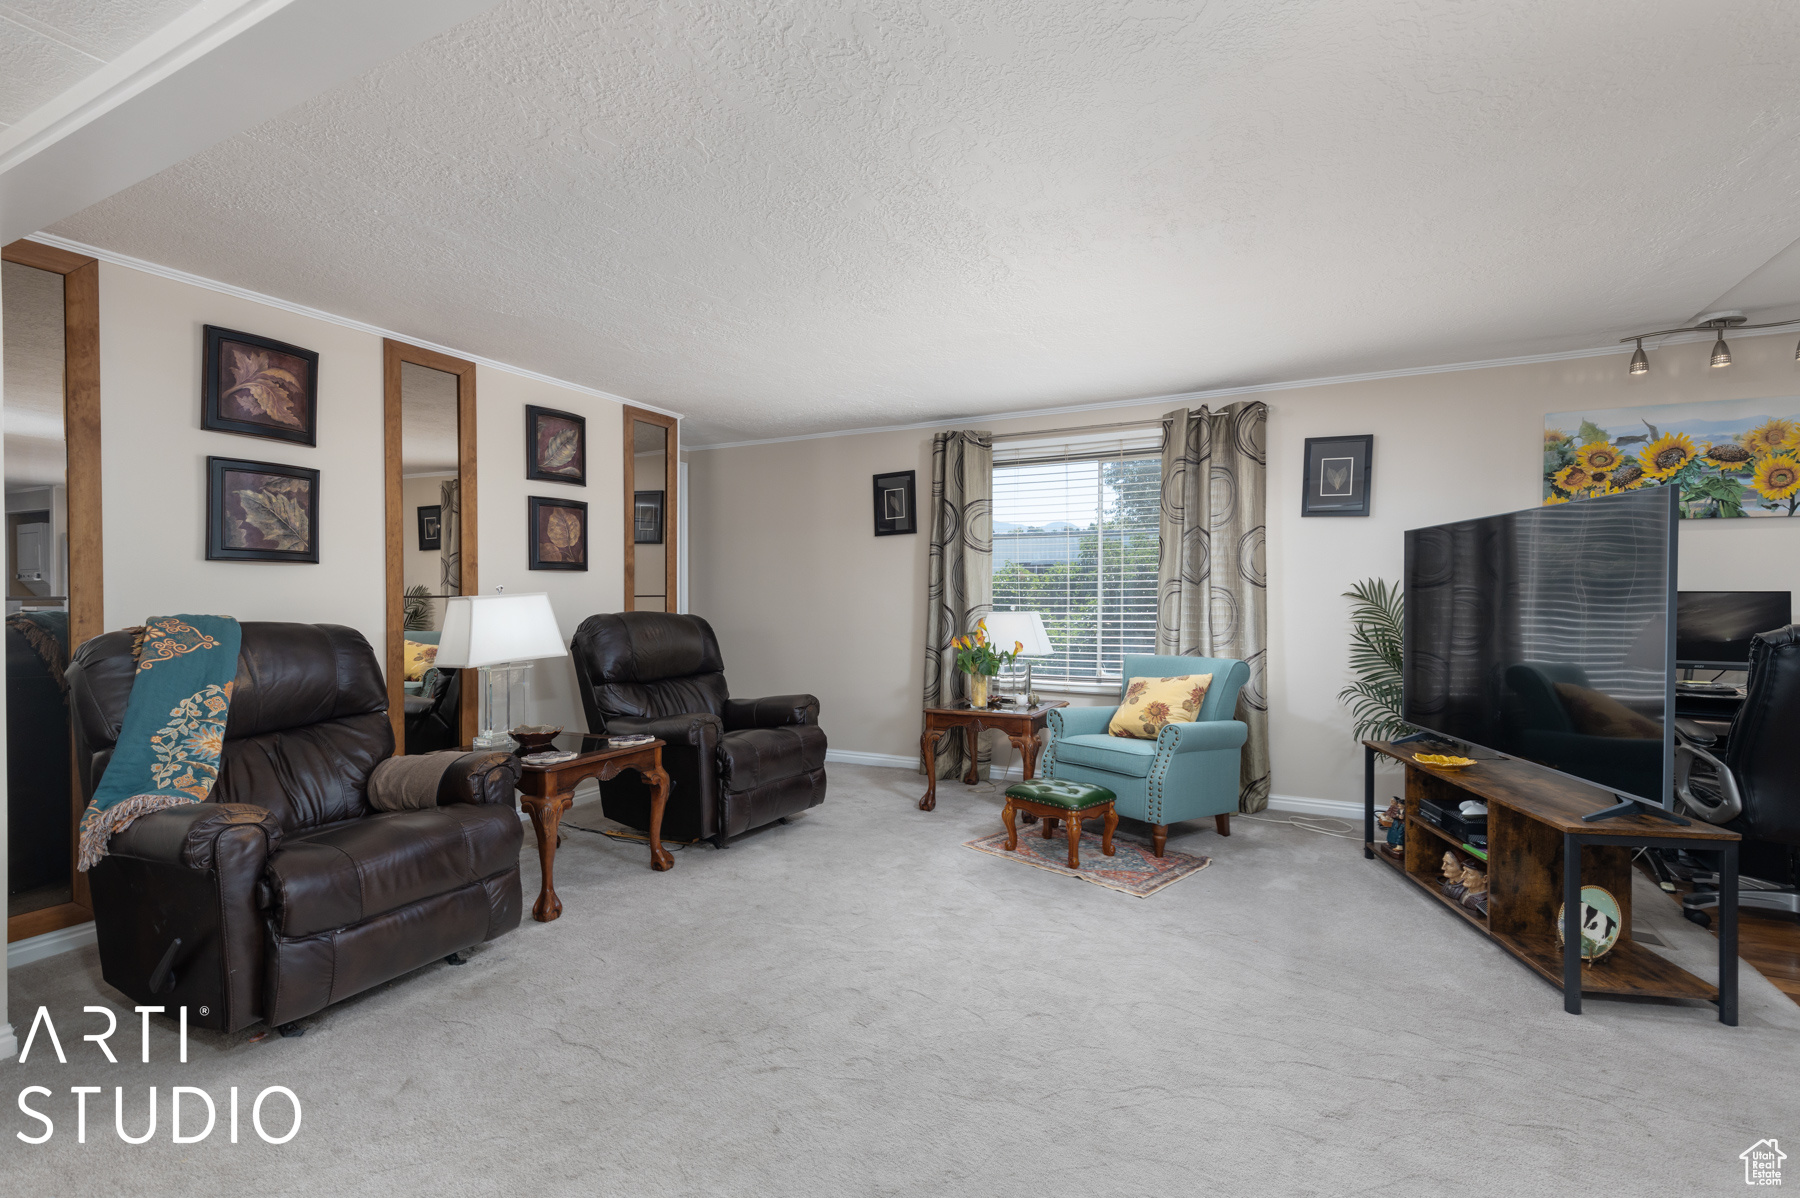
<point x="1377" y="620"/>
<point x="980" y="660"/>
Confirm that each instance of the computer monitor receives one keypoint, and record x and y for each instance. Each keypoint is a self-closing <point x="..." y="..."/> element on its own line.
<point x="1713" y="628"/>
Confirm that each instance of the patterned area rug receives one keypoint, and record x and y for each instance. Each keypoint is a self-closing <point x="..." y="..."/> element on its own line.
<point x="1131" y="868"/>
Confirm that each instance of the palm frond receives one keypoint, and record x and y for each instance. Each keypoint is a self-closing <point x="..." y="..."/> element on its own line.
<point x="1377" y="625"/>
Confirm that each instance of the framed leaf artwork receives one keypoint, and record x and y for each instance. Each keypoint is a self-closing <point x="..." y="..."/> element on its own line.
<point x="431" y="528"/>
<point x="1336" y="475"/>
<point x="259" y="387"/>
<point x="558" y="534"/>
<point x="555" y="446"/>
<point x="261" y="512"/>
<point x="647" y="517"/>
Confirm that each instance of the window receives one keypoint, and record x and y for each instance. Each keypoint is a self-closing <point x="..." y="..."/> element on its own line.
<point x="1075" y="538"/>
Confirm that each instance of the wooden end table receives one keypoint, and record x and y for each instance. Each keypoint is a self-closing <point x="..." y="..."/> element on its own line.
<point x="546" y="791"/>
<point x="1020" y="725"/>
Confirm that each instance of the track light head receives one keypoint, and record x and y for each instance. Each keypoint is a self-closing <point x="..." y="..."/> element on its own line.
<point x="1721" y="355"/>
<point x="1641" y="364"/>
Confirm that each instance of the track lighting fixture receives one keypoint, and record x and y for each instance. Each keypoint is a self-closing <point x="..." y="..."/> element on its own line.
<point x="1721" y="353"/>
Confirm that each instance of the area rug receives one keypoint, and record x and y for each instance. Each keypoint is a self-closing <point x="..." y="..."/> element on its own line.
<point x="1130" y="869"/>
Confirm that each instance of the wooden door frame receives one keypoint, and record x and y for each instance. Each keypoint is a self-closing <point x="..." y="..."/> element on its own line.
<point x="81" y="481"/>
<point x="394" y="353"/>
<point x="671" y="501"/>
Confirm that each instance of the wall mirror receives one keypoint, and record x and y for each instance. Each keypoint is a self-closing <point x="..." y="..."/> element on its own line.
<point x="430" y="425"/>
<point x="53" y="597"/>
<point x="652" y="454"/>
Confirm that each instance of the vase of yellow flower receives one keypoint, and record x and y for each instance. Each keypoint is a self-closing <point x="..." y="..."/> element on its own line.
<point x="978" y="658"/>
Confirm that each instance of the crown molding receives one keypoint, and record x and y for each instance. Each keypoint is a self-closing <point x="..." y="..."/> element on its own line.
<point x="1184" y="397"/>
<point x="257" y="297"/>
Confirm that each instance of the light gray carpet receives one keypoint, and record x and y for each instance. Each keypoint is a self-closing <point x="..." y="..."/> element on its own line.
<point x="855" y="1004"/>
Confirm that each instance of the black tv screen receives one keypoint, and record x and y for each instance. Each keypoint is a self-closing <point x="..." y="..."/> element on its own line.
<point x="1547" y="635"/>
<point x="1713" y="628"/>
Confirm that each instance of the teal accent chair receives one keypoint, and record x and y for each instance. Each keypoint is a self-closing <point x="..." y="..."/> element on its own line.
<point x="1189" y="771"/>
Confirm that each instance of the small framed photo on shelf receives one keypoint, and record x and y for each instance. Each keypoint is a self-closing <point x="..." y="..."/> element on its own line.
<point x="261" y="512"/>
<point x="1337" y="475"/>
<point x="647" y="517"/>
<point x="895" y="509"/>
<point x="259" y="387"/>
<point x="555" y="446"/>
<point x="431" y="527"/>
<point x="558" y="534"/>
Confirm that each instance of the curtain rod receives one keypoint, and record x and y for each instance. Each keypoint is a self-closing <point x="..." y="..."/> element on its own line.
<point x="1084" y="428"/>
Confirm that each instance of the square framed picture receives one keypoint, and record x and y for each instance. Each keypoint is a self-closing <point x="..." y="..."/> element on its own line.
<point x="647" y="517"/>
<point x="1337" y="475"/>
<point x="431" y="527"/>
<point x="259" y="387"/>
<point x="261" y="512"/>
<point x="558" y="534"/>
<point x="895" y="508"/>
<point x="555" y="446"/>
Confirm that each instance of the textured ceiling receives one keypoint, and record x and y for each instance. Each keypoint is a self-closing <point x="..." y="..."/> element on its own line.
<point x="428" y="433"/>
<point x="48" y="46"/>
<point x="33" y="327"/>
<point x="779" y="219"/>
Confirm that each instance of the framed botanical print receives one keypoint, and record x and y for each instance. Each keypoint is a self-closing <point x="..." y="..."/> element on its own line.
<point x="259" y="387"/>
<point x="895" y="510"/>
<point x="647" y="517"/>
<point x="431" y="527"/>
<point x="261" y="512"/>
<point x="558" y="534"/>
<point x="555" y="446"/>
<point x="1337" y="475"/>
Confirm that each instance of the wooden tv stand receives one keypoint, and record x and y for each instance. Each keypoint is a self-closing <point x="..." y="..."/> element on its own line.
<point x="1534" y="823"/>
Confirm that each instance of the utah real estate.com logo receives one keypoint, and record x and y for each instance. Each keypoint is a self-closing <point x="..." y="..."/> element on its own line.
<point x="1762" y="1163"/>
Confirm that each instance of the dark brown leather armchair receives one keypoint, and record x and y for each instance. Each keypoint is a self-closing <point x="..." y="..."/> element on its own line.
<point x="733" y="764"/>
<point x="285" y="890"/>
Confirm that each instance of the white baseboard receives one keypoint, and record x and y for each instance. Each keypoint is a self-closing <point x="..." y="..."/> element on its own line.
<point x="36" y="948"/>
<point x="1338" y="808"/>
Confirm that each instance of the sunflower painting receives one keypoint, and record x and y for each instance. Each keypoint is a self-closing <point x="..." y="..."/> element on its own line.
<point x="1730" y="458"/>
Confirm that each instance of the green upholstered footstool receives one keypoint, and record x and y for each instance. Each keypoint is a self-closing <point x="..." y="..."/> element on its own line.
<point x="1051" y="800"/>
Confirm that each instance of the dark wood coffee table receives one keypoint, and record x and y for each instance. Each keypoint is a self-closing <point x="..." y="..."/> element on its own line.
<point x="546" y="791"/>
<point x="1021" y="726"/>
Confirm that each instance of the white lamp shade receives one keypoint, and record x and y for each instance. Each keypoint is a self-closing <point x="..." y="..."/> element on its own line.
<point x="485" y="630"/>
<point x="1004" y="628"/>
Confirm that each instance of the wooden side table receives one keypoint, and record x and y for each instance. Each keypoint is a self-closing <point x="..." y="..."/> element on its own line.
<point x="546" y="791"/>
<point x="1020" y="725"/>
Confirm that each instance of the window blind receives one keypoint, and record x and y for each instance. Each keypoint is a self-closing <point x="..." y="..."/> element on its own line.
<point x="1075" y="539"/>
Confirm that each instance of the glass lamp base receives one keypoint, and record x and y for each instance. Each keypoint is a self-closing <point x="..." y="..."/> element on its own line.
<point x="505" y="704"/>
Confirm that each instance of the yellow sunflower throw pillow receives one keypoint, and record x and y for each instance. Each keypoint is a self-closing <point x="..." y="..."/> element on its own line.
<point x="418" y="657"/>
<point x="1152" y="702"/>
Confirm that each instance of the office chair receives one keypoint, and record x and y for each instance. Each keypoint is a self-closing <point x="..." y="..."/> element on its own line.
<point x="1751" y="782"/>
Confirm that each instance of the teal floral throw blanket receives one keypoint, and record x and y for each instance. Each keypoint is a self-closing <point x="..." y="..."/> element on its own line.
<point x="174" y="728"/>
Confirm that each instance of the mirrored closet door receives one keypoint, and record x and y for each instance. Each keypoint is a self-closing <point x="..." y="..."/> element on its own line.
<point x="52" y="542"/>
<point x="430" y="540"/>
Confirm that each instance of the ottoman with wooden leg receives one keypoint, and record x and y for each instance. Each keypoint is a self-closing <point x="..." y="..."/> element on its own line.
<point x="1051" y="800"/>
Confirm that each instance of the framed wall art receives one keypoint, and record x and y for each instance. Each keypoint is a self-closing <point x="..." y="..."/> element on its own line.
<point x="555" y="446"/>
<point x="261" y="512"/>
<point x="259" y="387"/>
<point x="431" y="527"/>
<point x="647" y="517"/>
<point x="558" y="534"/>
<point x="1337" y="475"/>
<point x="895" y="509"/>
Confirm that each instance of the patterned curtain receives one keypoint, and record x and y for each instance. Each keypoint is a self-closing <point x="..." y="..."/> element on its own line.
<point x="1212" y="588"/>
<point x="450" y="538"/>
<point x="960" y="586"/>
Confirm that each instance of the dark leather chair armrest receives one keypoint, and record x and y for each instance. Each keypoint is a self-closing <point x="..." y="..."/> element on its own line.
<point x="485" y="777"/>
<point x="696" y="729"/>
<point x="773" y="711"/>
<point x="188" y="834"/>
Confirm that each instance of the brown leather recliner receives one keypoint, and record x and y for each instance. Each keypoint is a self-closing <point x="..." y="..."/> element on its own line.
<point x="285" y="889"/>
<point x="733" y="764"/>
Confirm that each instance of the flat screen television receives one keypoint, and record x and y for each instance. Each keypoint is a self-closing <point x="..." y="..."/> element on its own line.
<point x="1547" y="635"/>
<point x="1713" y="628"/>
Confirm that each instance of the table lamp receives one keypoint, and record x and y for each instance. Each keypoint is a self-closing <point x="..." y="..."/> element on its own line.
<point x="1006" y="628"/>
<point x="501" y="635"/>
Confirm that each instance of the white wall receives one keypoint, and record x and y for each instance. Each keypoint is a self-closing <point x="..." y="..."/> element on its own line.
<point x="805" y="598"/>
